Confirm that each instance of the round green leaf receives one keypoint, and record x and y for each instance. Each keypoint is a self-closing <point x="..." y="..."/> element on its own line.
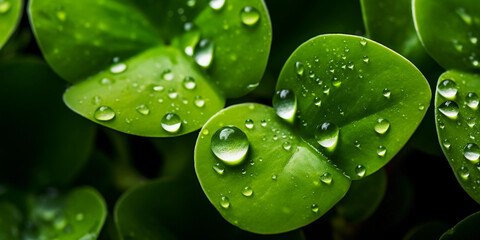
<point x="286" y="173"/>
<point x="10" y="15"/>
<point x="45" y="144"/>
<point x="458" y="126"/>
<point x="466" y="229"/>
<point x="449" y="30"/>
<point x="133" y="63"/>
<point x="355" y="83"/>
<point x="145" y="213"/>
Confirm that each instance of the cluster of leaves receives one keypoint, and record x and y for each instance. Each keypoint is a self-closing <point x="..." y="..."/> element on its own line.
<point x="141" y="129"/>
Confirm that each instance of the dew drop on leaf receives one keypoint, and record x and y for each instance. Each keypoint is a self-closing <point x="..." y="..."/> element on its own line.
<point x="326" y="135"/>
<point x="250" y="16"/>
<point x="104" y="113"/>
<point x="471" y="122"/>
<point x="118" y="68"/>
<point x="263" y="123"/>
<point x="386" y="93"/>
<point x="299" y="68"/>
<point x="199" y="102"/>
<point x="217" y="4"/>
<point x="230" y="145"/>
<point x="106" y="81"/>
<point x="172" y="93"/>
<point x="218" y="169"/>
<point x="472" y="100"/>
<point x="326" y="178"/>
<point x="381" y="151"/>
<point x="247" y="191"/>
<point x="168" y="74"/>
<point x="314" y="208"/>
<point x="464" y="16"/>
<point x="5" y="6"/>
<point x="61" y="15"/>
<point x="224" y="202"/>
<point x="189" y="83"/>
<point x="287" y="146"/>
<point x="171" y="123"/>
<point x="317" y="101"/>
<point x="449" y="109"/>
<point x="204" y="53"/>
<point x="448" y="89"/>
<point x="360" y="170"/>
<point x="382" y="126"/>
<point x="464" y="174"/>
<point x="249" y="123"/>
<point x="143" y="109"/>
<point x="471" y="152"/>
<point x="285" y="104"/>
<point x="446" y="144"/>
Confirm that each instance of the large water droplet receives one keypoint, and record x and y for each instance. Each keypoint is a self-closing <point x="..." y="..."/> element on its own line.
<point x="171" y="122"/>
<point x="217" y="4"/>
<point x="326" y="178"/>
<point x="472" y="100"/>
<point x="449" y="109"/>
<point x="299" y="68"/>
<point x="230" y="145"/>
<point x="118" y="68"/>
<point x="143" y="109"/>
<point x="5" y="6"/>
<point x="204" y="53"/>
<point x="285" y="104"/>
<point x="448" y="89"/>
<point x="382" y="126"/>
<point x="471" y="152"/>
<point x="326" y="135"/>
<point x="104" y="113"/>
<point x="249" y="16"/>
<point x="247" y="191"/>
<point x="360" y="170"/>
<point x="224" y="202"/>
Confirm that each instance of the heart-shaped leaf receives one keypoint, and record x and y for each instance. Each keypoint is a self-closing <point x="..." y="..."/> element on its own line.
<point x="45" y="144"/>
<point x="458" y="126"/>
<point x="80" y="214"/>
<point x="10" y="15"/>
<point x="345" y="106"/>
<point x="465" y="229"/>
<point x="450" y="31"/>
<point x="153" y="68"/>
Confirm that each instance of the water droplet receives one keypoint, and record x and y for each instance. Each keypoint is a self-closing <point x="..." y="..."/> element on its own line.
<point x="143" y="109"/>
<point x="199" y="102"/>
<point x="172" y="93"/>
<point x="471" y="152"/>
<point x="249" y="16"/>
<point x="464" y="16"/>
<point x="158" y="88"/>
<point x="219" y="169"/>
<point x="317" y="101"/>
<point x="171" y="122"/>
<point x="381" y="151"/>
<point x="326" y="135"/>
<point x="357" y="144"/>
<point x="204" y="53"/>
<point x="5" y="6"/>
<point x="61" y="15"/>
<point x="363" y="42"/>
<point x="448" y="89"/>
<point x="472" y="100"/>
<point x="471" y="122"/>
<point x="314" y="208"/>
<point x="464" y="173"/>
<point x="446" y="144"/>
<point x="230" y="145"/>
<point x="382" y="126"/>
<point x="366" y="59"/>
<point x="421" y="107"/>
<point x="285" y="104"/>
<point x="217" y="4"/>
<point x="449" y="109"/>
<point x="106" y="81"/>
<point x="360" y="170"/>
<point x="386" y="93"/>
<point x="167" y="74"/>
<point x="287" y="146"/>
<point x="104" y="113"/>
<point x="118" y="68"/>
<point x="299" y="68"/>
<point x="79" y="217"/>
<point x="189" y="83"/>
<point x="473" y="40"/>
<point x="249" y="123"/>
<point x="336" y="82"/>
<point x="247" y="191"/>
<point x="263" y="123"/>
<point x="191" y="3"/>
<point x="224" y="202"/>
<point x="326" y="178"/>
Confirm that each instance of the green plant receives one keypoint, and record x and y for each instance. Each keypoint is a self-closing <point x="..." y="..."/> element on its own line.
<point x="114" y="124"/>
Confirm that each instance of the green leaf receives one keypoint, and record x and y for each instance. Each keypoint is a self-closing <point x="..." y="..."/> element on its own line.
<point x="80" y="214"/>
<point x="458" y="127"/>
<point x="427" y="231"/>
<point x="10" y="15"/>
<point x="45" y="144"/>
<point x="449" y="31"/>
<point x="134" y="58"/>
<point x="465" y="229"/>
<point x="285" y="164"/>
<point x="363" y="198"/>
<point x="145" y="213"/>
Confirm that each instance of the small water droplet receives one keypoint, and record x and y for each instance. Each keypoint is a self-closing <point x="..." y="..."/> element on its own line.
<point x="199" y="102"/>
<point x="249" y="123"/>
<point x="448" y="89"/>
<point x="250" y="16"/>
<point x="449" y="109"/>
<point x="471" y="152"/>
<point x="360" y="170"/>
<point x="471" y="122"/>
<point x="61" y="15"/>
<point x="464" y="173"/>
<point x="5" y="6"/>
<point x="168" y="74"/>
<point x="326" y="135"/>
<point x="382" y="126"/>
<point x="143" y="109"/>
<point x="336" y="82"/>
<point x="217" y="4"/>
<point x="191" y="3"/>
<point x="366" y="59"/>
<point x="474" y="40"/>
<point x="287" y="146"/>
<point x="189" y="83"/>
<point x="464" y="16"/>
<point x="224" y="202"/>
<point x="118" y="68"/>
<point x="106" y="81"/>
<point x="446" y="144"/>
<point x="171" y="122"/>
<point x="247" y="191"/>
<point x="79" y="217"/>
<point x="472" y="100"/>
<point x="386" y="93"/>
<point x="158" y="88"/>
<point x="204" y="53"/>
<point x="357" y="144"/>
<point x="299" y="68"/>
<point x="230" y="145"/>
<point x="314" y="208"/>
<point x="219" y="169"/>
<point x="363" y="42"/>
<point x="285" y="104"/>
<point x="381" y="151"/>
<point x="421" y="107"/>
<point x="104" y="113"/>
<point x="317" y="101"/>
<point x="274" y="177"/>
<point x="172" y="93"/>
<point x="326" y="178"/>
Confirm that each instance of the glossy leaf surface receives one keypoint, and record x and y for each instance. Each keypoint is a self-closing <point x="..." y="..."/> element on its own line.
<point x="465" y="229"/>
<point x="10" y="15"/>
